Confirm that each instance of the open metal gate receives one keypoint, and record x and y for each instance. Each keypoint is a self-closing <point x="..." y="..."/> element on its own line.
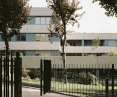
<point x="45" y="82"/>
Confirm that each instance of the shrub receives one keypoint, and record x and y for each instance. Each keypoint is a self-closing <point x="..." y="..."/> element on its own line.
<point x="88" y="78"/>
<point x="24" y="72"/>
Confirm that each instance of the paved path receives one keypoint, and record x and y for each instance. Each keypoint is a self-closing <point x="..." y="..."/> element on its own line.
<point x="34" y="92"/>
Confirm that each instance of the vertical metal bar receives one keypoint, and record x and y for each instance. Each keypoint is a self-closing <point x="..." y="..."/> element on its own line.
<point x="66" y="78"/>
<point x="20" y="77"/>
<point x="113" y="80"/>
<point x="11" y="75"/>
<point x="86" y="77"/>
<point x="8" y="75"/>
<point x="41" y="78"/>
<point x="106" y="87"/>
<point x="4" y="78"/>
<point x="69" y="78"/>
<point x="80" y="81"/>
<point x="1" y="76"/>
<point x="89" y="85"/>
<point x="14" y="75"/>
<point x="72" y="80"/>
<point x="58" y="78"/>
<point x="99" y="81"/>
<point x="77" y="80"/>
<point x="55" y="77"/>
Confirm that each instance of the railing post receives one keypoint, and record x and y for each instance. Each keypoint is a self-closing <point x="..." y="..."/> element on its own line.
<point x="17" y="76"/>
<point x="113" y="71"/>
<point x="106" y="81"/>
<point x="41" y="77"/>
<point x="1" y="76"/>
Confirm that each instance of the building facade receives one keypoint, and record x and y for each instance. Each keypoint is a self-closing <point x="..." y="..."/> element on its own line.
<point x="33" y="39"/>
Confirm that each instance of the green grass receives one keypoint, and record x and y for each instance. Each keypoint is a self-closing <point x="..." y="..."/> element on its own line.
<point x="71" y="88"/>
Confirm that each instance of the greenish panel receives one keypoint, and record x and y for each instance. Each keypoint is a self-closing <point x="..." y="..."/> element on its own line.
<point x="111" y="42"/>
<point x="30" y="53"/>
<point x="97" y="73"/>
<point x="54" y="38"/>
<point x="13" y="38"/>
<point x="32" y="21"/>
<point x="82" y="42"/>
<point x="30" y="37"/>
<point x="42" y="51"/>
<point x="55" y="53"/>
<point x="0" y="37"/>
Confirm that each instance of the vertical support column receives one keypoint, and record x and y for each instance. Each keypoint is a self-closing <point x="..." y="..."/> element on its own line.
<point x="18" y="76"/>
<point x="83" y="47"/>
<point x="106" y="87"/>
<point x="97" y="73"/>
<point x="1" y="76"/>
<point x="41" y="77"/>
<point x="113" y="71"/>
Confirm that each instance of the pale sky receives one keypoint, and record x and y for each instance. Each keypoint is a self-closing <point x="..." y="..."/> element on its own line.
<point x="94" y="20"/>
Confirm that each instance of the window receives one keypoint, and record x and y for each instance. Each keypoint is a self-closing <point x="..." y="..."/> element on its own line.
<point x="42" y="37"/>
<point x="37" y="37"/>
<point x="23" y="37"/>
<point x="48" y="54"/>
<point x="18" y="37"/>
<point x="13" y="53"/>
<point x="74" y="43"/>
<point x="37" y="20"/>
<point x="103" y="74"/>
<point x="47" y="39"/>
<point x="42" y="54"/>
<point x="37" y="54"/>
<point x="22" y="53"/>
<point x="42" y="20"/>
<point x="48" y="20"/>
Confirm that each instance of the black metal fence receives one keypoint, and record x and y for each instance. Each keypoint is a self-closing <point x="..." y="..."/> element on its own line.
<point x="82" y="80"/>
<point x="11" y="84"/>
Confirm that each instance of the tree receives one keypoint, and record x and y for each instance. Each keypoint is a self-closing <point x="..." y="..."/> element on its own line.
<point x="63" y="14"/>
<point x="109" y="5"/>
<point x="13" y="14"/>
<point x="96" y="42"/>
<point x="112" y="53"/>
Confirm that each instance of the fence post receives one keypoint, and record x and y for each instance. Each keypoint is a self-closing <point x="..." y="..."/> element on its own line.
<point x="17" y="76"/>
<point x="106" y="81"/>
<point x="1" y="76"/>
<point x="113" y="80"/>
<point x="41" y="77"/>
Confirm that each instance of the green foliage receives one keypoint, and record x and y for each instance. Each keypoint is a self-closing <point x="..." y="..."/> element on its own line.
<point x="96" y="42"/>
<point x="112" y="53"/>
<point x="25" y="72"/>
<point x="88" y="78"/>
<point x="109" y="5"/>
<point x="13" y="15"/>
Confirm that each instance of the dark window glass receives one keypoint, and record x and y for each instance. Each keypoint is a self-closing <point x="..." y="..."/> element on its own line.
<point x="22" y="53"/>
<point x="2" y="37"/>
<point x="74" y="43"/>
<point x="23" y="37"/>
<point x="18" y="37"/>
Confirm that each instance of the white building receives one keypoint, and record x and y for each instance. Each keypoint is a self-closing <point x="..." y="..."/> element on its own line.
<point x="33" y="40"/>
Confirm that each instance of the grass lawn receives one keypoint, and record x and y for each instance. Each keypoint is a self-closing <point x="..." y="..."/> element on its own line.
<point x="72" y="88"/>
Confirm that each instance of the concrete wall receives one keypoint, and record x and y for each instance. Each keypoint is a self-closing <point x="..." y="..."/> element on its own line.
<point x="31" y="45"/>
<point x="83" y="62"/>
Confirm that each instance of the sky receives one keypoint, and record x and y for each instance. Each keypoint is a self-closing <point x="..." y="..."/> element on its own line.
<point x="93" y="21"/>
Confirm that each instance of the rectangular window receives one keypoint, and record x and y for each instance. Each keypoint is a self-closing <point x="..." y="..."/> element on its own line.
<point x="48" y="20"/>
<point x="42" y="54"/>
<point x="42" y="20"/>
<point x="22" y="53"/>
<point x="42" y="37"/>
<point x="37" y="20"/>
<point x="48" y="54"/>
<point x="23" y="37"/>
<point x="37" y="37"/>
<point x="37" y="54"/>
<point x="74" y="43"/>
<point x="47" y="39"/>
<point x="18" y="37"/>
